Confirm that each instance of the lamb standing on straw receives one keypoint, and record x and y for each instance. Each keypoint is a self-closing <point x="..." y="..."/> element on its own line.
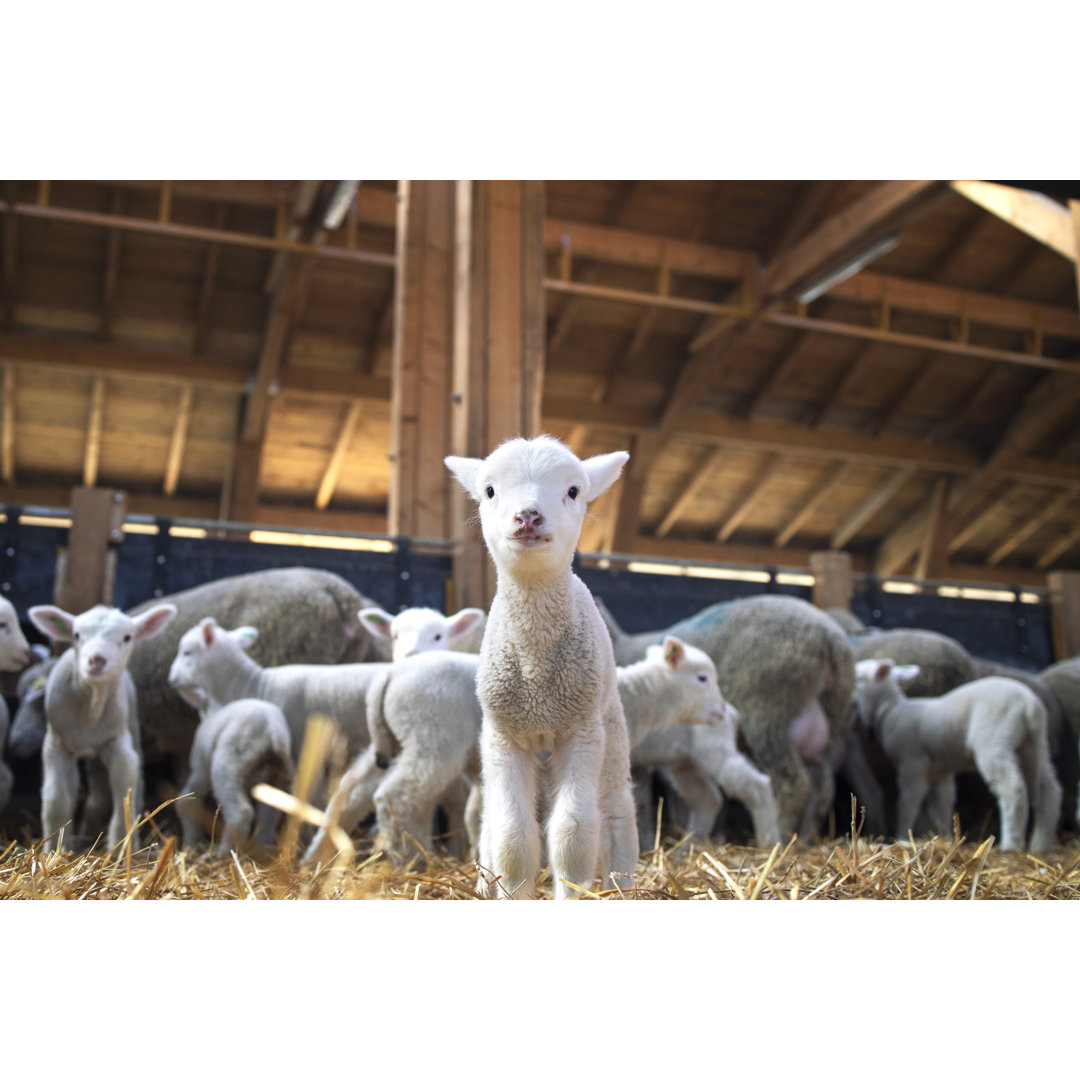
<point x="546" y="678"/>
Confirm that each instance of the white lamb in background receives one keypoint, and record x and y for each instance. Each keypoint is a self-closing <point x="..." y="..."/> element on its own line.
<point x="91" y="710"/>
<point x="14" y="656"/>
<point x="236" y="746"/>
<point x="702" y="764"/>
<point x="546" y="679"/>
<point x="995" y="726"/>
<point x="420" y="629"/>
<point x="424" y="719"/>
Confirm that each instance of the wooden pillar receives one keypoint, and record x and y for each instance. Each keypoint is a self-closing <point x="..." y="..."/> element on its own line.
<point x="419" y="503"/>
<point x="833" y="580"/>
<point x="1064" y="588"/>
<point x="498" y="352"/>
<point x="86" y="569"/>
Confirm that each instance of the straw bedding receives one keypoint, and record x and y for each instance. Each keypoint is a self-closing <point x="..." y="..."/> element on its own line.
<point x="848" y="868"/>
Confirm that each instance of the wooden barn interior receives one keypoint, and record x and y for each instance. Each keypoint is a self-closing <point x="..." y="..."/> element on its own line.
<point x="833" y="379"/>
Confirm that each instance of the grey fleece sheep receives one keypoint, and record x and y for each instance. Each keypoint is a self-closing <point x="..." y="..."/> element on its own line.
<point x="785" y="666"/>
<point x="1063" y="680"/>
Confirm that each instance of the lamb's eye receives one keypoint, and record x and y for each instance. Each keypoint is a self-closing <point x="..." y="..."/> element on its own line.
<point x="572" y="493"/>
<point x="438" y="637"/>
<point x="489" y="491"/>
<point x="76" y="635"/>
<point x="703" y="678"/>
<point x="127" y="638"/>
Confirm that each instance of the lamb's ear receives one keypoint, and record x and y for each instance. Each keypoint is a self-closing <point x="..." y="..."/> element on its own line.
<point x="376" y="621"/>
<point x="150" y="623"/>
<point x="244" y="636"/>
<point x="603" y="470"/>
<point x="470" y="618"/>
<point x="465" y="470"/>
<point x="53" y="622"/>
<point x="906" y="672"/>
<point x="884" y="670"/>
<point x="209" y="628"/>
<point x="674" y="652"/>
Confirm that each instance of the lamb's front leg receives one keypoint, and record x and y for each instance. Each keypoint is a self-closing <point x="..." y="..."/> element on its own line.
<point x="574" y="824"/>
<point x="509" y="832"/>
<point x="59" y="790"/>
<point x="122" y="762"/>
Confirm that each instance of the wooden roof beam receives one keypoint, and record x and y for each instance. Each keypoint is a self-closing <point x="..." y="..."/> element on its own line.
<point x="779" y="372"/>
<point x="111" y="270"/>
<point x="751" y="495"/>
<point x="853" y="368"/>
<point x="1040" y="217"/>
<point x="211" y="265"/>
<point x="94" y="425"/>
<point x="707" y="468"/>
<point x="835" y="475"/>
<point x="924" y="370"/>
<point x="1019" y="534"/>
<point x="980" y="516"/>
<point x="178" y="440"/>
<point x="338" y="455"/>
<point x="932" y="562"/>
<point x="1056" y="550"/>
<point x="871" y="506"/>
<point x="10" y="260"/>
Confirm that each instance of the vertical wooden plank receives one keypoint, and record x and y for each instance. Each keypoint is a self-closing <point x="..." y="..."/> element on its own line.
<point x="931" y="561"/>
<point x="178" y="441"/>
<point x="833" y="579"/>
<point x="93" y="432"/>
<point x="1074" y="213"/>
<point x="7" y="439"/>
<point x="83" y="575"/>
<point x="1064" y="586"/>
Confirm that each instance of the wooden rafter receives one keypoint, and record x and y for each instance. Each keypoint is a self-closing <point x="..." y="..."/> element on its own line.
<point x="10" y="263"/>
<point x="706" y="469"/>
<point x="917" y="378"/>
<point x="871" y="506"/>
<point x="853" y="368"/>
<point x="94" y="425"/>
<point x="979" y="516"/>
<point x="211" y="265"/>
<point x="1020" y="533"/>
<point x="1042" y="218"/>
<point x="337" y="457"/>
<point x="779" y="372"/>
<point x="178" y="440"/>
<point x="835" y="475"/>
<point x="111" y="270"/>
<point x="931" y="561"/>
<point x="751" y="495"/>
<point x="1059" y="548"/>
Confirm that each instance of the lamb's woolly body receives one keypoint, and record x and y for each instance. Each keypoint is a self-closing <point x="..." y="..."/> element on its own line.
<point x="90" y="710"/>
<point x="424" y="719"/>
<point x="775" y="657"/>
<point x="214" y="660"/>
<point x="546" y="679"/>
<point x="236" y="746"/>
<point x="993" y="725"/>
<point x="14" y="656"/>
<point x="304" y="616"/>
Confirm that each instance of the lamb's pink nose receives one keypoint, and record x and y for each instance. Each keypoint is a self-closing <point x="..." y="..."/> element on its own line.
<point x="95" y="664"/>
<point x="528" y="519"/>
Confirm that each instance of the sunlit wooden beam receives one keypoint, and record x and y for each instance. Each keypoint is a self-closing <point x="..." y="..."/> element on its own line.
<point x="707" y="469"/>
<point x="751" y="495"/>
<point x="337" y="458"/>
<point x="7" y="418"/>
<point x="178" y="440"/>
<point x="876" y="502"/>
<point x="95" y="423"/>
<point x="1018" y="535"/>
<point x="835" y="476"/>
<point x="1040" y="217"/>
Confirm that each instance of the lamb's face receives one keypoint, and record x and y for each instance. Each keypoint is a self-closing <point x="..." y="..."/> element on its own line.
<point x="533" y="495"/>
<point x="103" y="641"/>
<point x="694" y="687"/>
<point x="194" y="654"/>
<point x="14" y="650"/>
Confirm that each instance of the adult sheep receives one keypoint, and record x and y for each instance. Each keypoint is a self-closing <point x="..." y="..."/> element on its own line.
<point x="787" y="668"/>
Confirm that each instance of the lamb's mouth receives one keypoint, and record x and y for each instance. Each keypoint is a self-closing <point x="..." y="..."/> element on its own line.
<point x="529" y="539"/>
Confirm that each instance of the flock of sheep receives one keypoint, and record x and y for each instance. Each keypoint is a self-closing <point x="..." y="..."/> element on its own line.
<point x="537" y="730"/>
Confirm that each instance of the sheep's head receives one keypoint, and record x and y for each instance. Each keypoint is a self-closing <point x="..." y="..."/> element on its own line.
<point x="206" y="638"/>
<point x="875" y="679"/>
<point x="695" y="692"/>
<point x="14" y="650"/>
<point x="533" y="494"/>
<point x="103" y="637"/>
<point x="418" y="630"/>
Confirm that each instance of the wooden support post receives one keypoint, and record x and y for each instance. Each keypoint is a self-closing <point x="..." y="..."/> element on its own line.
<point x="498" y="353"/>
<point x="833" y="579"/>
<point x="422" y="361"/>
<point x="1064" y="588"/>
<point x="86" y="569"/>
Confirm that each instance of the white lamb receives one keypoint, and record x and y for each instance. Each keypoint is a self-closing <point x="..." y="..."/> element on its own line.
<point x="14" y="656"/>
<point x="995" y="726"/>
<point x="235" y="747"/>
<point x="546" y="678"/>
<point x="424" y="719"/>
<point x="420" y="629"/>
<point x="704" y="763"/>
<point x="91" y="710"/>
